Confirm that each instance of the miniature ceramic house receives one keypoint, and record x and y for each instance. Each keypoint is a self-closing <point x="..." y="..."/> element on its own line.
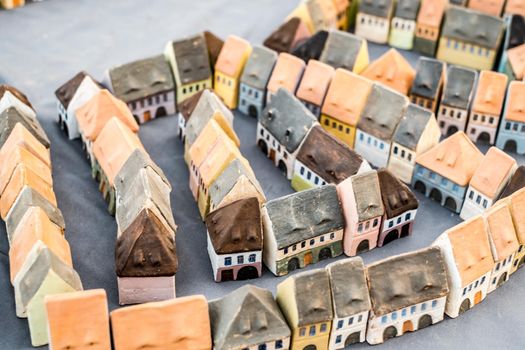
<point x="255" y="77"/>
<point x="515" y="68"/>
<point x="322" y="159"/>
<point x="163" y="325"/>
<point x="444" y="171"/>
<point x="428" y="83"/>
<point x="341" y="8"/>
<point x="514" y="36"/>
<point x="403" y="26"/>
<point x="314" y="85"/>
<point x="515" y="7"/>
<point x="345" y="50"/>
<point x="344" y="102"/>
<point x="392" y="70"/>
<point x="190" y="65"/>
<point x="488" y="181"/>
<point x="16" y="93"/>
<point x="306" y="303"/>
<point x="493" y="8"/>
<point x="350" y="302"/>
<point x="248" y="318"/>
<point x="311" y="48"/>
<point x="360" y="197"/>
<point x="186" y="109"/>
<point x="228" y="69"/>
<point x="303" y="13"/>
<point x="470" y="38"/>
<point x="78" y="320"/>
<point x="286" y="74"/>
<point x="21" y="137"/>
<point x="11" y="4"/>
<point x="214" y="45"/>
<point x="469" y="264"/>
<point x="416" y="133"/>
<point x="428" y="25"/>
<point x="511" y="134"/>
<point x="377" y="125"/>
<point x="456" y="100"/>
<point x="64" y="95"/>
<point x="10" y="101"/>
<point x="302" y="228"/>
<point x="85" y="92"/>
<point x="322" y="13"/>
<point x="287" y="36"/>
<point x="516" y="204"/>
<point x="516" y="183"/>
<point x="281" y="129"/>
<point x="408" y="293"/>
<point x="373" y="20"/>
<point x="12" y="116"/>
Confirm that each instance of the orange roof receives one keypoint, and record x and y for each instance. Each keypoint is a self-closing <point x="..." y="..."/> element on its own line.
<point x="286" y="73"/>
<point x="315" y="82"/>
<point x="21" y="137"/>
<point x="431" y="12"/>
<point x="490" y="92"/>
<point x="233" y="56"/>
<point x="516" y="57"/>
<point x="502" y="236"/>
<point x="517" y="208"/>
<point x="515" y="105"/>
<point x="455" y="158"/>
<point x="393" y="70"/>
<point x="341" y="5"/>
<point x="208" y="137"/>
<point x="103" y="106"/>
<point x="113" y="147"/>
<point x="471" y="249"/>
<point x="218" y="158"/>
<point x="491" y="7"/>
<point x="515" y="7"/>
<point x="36" y="226"/>
<point x="493" y="172"/>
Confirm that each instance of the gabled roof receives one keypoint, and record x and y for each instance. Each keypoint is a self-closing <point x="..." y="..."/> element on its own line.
<point x="284" y="37"/>
<point x="517" y="208"/>
<point x="515" y="104"/>
<point x="217" y="159"/>
<point x="322" y="13"/>
<point x="455" y="158"/>
<point x="315" y="82"/>
<point x="429" y="78"/>
<point x="459" y="87"/>
<point x="502" y="236"/>
<point x="10" y="100"/>
<point x="516" y="57"/>
<point x="259" y="67"/>
<point x="491" y="7"/>
<point x="11" y="116"/>
<point x="493" y="171"/>
<point x="303" y="215"/>
<point x="341" y="49"/>
<point x="191" y="59"/>
<point x="21" y="137"/>
<point x="397" y="197"/>
<point x="431" y="12"/>
<point x="312" y="47"/>
<point x="214" y="45"/>
<point x="411" y="127"/>
<point x="407" y="279"/>
<point x="203" y="145"/>
<point x="392" y="70"/>
<point x="517" y="182"/>
<point x="246" y="317"/>
<point x="286" y="73"/>
<point x="378" y="8"/>
<point x="17" y="93"/>
<point x="515" y="35"/>
<point x="349" y="287"/>
<point x="367" y="194"/>
<point x="407" y="9"/>
<point x="187" y="106"/>
<point x="490" y="93"/>
<point x="66" y="92"/>
<point x="233" y="56"/>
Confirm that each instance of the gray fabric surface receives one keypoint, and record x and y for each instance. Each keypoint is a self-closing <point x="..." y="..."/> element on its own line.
<point x="44" y="44"/>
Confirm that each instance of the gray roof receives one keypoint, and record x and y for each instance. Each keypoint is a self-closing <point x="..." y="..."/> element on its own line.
<point x="246" y="317"/>
<point x="378" y="8"/>
<point x="474" y="27"/>
<point x="367" y="195"/>
<point x="429" y="73"/>
<point x="459" y="87"/>
<point x="383" y="110"/>
<point x="341" y="49"/>
<point x="408" y="279"/>
<point x="140" y="79"/>
<point x="11" y="116"/>
<point x="193" y="62"/>
<point x="407" y="9"/>
<point x="259" y="67"/>
<point x="412" y="125"/>
<point x="349" y="287"/>
<point x="287" y="119"/>
<point x="303" y="215"/>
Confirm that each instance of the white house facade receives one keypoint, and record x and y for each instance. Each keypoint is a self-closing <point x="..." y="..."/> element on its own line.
<point x="373" y="149"/>
<point x="475" y="203"/>
<point x="372" y="28"/>
<point x="451" y="119"/>
<point x="500" y="273"/>
<point x="348" y="330"/>
<point x="480" y="123"/>
<point x="251" y="100"/>
<point x="153" y="106"/>
<point x="402" y="33"/>
<point x="398" y="226"/>
<point x="402" y="162"/>
<point x="85" y="91"/>
<point x="519" y="259"/>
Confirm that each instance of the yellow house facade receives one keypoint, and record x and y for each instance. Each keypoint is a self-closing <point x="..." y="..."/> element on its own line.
<point x="464" y="54"/>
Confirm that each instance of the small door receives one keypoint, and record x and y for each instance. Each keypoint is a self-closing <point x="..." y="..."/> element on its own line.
<point x="308" y="258"/>
<point x="227" y="275"/>
<point x="147" y="116"/>
<point x="405" y="230"/>
<point x="353" y="339"/>
<point x="272" y="154"/>
<point x="408" y="326"/>
<point x="477" y="298"/>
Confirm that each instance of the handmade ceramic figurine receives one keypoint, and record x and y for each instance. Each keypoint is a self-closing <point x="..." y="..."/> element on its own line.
<point x="255" y="77"/>
<point x="78" y="320"/>
<point x="287" y="36"/>
<point x="416" y="133"/>
<point x="281" y="129"/>
<point x="514" y="36"/>
<point x="428" y="25"/>
<point x="350" y="302"/>
<point x="228" y="69"/>
<point x="516" y="183"/>
<point x="163" y="325"/>
<point x="457" y="98"/>
<point x="248" y="318"/>
<point x="363" y="207"/>
<point x="444" y="171"/>
<point x="392" y="70"/>
<point x="311" y="48"/>
<point x="469" y="264"/>
<point x="344" y="102"/>
<point x="190" y="64"/>
<point x="377" y="125"/>
<point x="345" y="50"/>
<point x="235" y="240"/>
<point x="186" y="109"/>
<point x="408" y="293"/>
<point x="314" y="85"/>
<point x="516" y="203"/>
<point x="322" y="159"/>
<point x="9" y="99"/>
<point x="12" y="116"/>
<point x="286" y="74"/>
<point x="322" y="13"/>
<point x="15" y="92"/>
<point x="301" y="229"/>
<point x="301" y="12"/>
<point x="64" y="95"/>
<point x="342" y="8"/>
<point x="493" y="8"/>
<point x="515" y="7"/>
<point x="214" y="45"/>
<point x="511" y="134"/>
<point x="515" y="68"/>
<point x="21" y="137"/>
<point x="11" y="4"/>
<point x="373" y="20"/>
<point x="306" y="303"/>
<point x="403" y="26"/>
<point x="428" y="83"/>
<point x="470" y="38"/>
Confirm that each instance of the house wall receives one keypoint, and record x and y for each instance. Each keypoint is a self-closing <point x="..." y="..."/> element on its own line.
<point x="274" y="344"/>
<point x="316" y="334"/>
<point x="343" y="131"/>
<point x="147" y="108"/>
<point x="362" y="59"/>
<point x="423" y="102"/>
<point x="138" y="290"/>
<point x="269" y="243"/>
<point x="465" y="54"/>
<point x="396" y="223"/>
<point x="194" y="177"/>
<point x="402" y="162"/>
<point x="427" y="32"/>
<point x="450" y="117"/>
<point x="187" y="90"/>
<point x="374" y="150"/>
<point x="424" y="46"/>
<point x="84" y="93"/>
<point x="501" y="270"/>
<point x="475" y="203"/>
<point x="519" y="259"/>
<point x="509" y="132"/>
<point x="62" y="113"/>
<point x="372" y="28"/>
<point x="227" y="88"/>
<point x="345" y="326"/>
<point x="182" y="127"/>
<point x="304" y="178"/>
<point x="402" y="33"/>
<point x="479" y="123"/>
<point x="251" y="98"/>
<point x="364" y="230"/>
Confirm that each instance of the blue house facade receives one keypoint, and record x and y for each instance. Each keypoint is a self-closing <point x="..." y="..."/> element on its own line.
<point x="511" y="134"/>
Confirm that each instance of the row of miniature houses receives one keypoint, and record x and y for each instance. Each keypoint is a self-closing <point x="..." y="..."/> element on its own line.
<point x="40" y="259"/>
<point x="331" y="308"/>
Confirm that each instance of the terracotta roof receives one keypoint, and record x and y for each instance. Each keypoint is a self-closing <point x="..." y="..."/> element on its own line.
<point x="286" y="73"/>
<point x="378" y="8"/>
<point x="202" y="146"/>
<point x="315" y="82"/>
<point x="515" y="7"/>
<point x="502" y="236"/>
<point x="66" y="92"/>
<point x="493" y="172"/>
<point x="515" y="104"/>
<point x="233" y="56"/>
<point x="397" y="197"/>
<point x="217" y="159"/>
<point x="517" y="182"/>
<point x="393" y="70"/>
<point x="21" y="137"/>
<point x="517" y="208"/>
<point x="516" y="57"/>
<point x="490" y="93"/>
<point x="491" y="7"/>
<point x="430" y="74"/>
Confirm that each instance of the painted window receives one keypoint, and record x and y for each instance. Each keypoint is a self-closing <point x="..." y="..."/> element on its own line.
<point x="360" y="318"/>
<point x="410" y="157"/>
<point x="312" y="331"/>
<point x="507" y="126"/>
<point x="432" y="176"/>
<point x="251" y="258"/>
<point x="407" y="217"/>
<point x="403" y="312"/>
<point x="338" y="339"/>
<point x="476" y="284"/>
<point x="396" y="149"/>
<point x="262" y="347"/>
<point x="398" y="220"/>
<point x="514" y="127"/>
<point x="382" y="146"/>
<point x="367" y="225"/>
<point x="302" y="170"/>
<point x="376" y="222"/>
<point x="434" y="303"/>
<point x="494" y="280"/>
<point x="340" y="324"/>
<point x="227" y="261"/>
<point x="332" y="235"/>
<point x="361" y="137"/>
<point x="485" y="203"/>
<point x="383" y="319"/>
<point x="303" y="244"/>
<point x="444" y="181"/>
<point x="423" y="306"/>
<point x="294" y="247"/>
<point x="478" y="199"/>
<point x="312" y="241"/>
<point x="308" y="175"/>
<point x="240" y="259"/>
<point x="413" y="309"/>
<point x="350" y="320"/>
<point x="278" y="344"/>
<point x="394" y="316"/>
<point x="326" y="122"/>
<point x="322" y="239"/>
<point x="360" y="228"/>
<point x="471" y="194"/>
<point x="464" y="290"/>
<point x="390" y="224"/>
<point x="498" y="265"/>
<point x="302" y="332"/>
<point x="286" y="250"/>
<point x="323" y="328"/>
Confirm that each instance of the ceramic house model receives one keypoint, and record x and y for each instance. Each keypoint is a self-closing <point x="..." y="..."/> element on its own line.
<point x="323" y="14"/>
<point x="10" y="100"/>
<point x="516" y="182"/>
<point x="64" y="95"/>
<point x="11" y="4"/>
<point x="186" y="109"/>
<point x="345" y="50"/>
<point x="248" y="318"/>
<point x="493" y="8"/>
<point x="514" y="36"/>
<point x="20" y="137"/>
<point x="515" y="67"/>
<point x="470" y="38"/>
<point x="163" y="325"/>
<point x="341" y="8"/>
<point x="377" y="125"/>
<point x="16" y="93"/>
<point x="373" y="20"/>
<point x="255" y="77"/>
<point x="403" y="26"/>
<point x="487" y="106"/>
<point x="516" y="203"/>
<point x="363" y="208"/>
<point x="228" y="69"/>
<point x="488" y="181"/>
<point x="428" y="25"/>
<point x="12" y="116"/>
<point x="286" y="74"/>
<point x="214" y="45"/>
<point x="190" y="65"/>
<point x="303" y="13"/>
<point x="457" y="98"/>
<point x="515" y="7"/>
<point x="306" y="303"/>
<point x="314" y="85"/>
<point x="302" y="228"/>
<point x="311" y="48"/>
<point x="416" y="133"/>
<point x="322" y="159"/>
<point x="287" y="36"/>
<point x="428" y="83"/>
<point x="344" y="103"/>
<point x="469" y="263"/>
<point x="281" y="129"/>
<point x="511" y="134"/>
<point x="408" y="293"/>
<point x="350" y="302"/>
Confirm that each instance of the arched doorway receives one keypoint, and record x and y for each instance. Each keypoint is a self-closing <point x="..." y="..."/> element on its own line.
<point x="293" y="264"/>
<point x="247" y="272"/>
<point x="353" y="338"/>
<point x="310" y="347"/>
<point x="283" y="168"/>
<point x="227" y="275"/>
<point x="465" y="305"/>
<point x="263" y="147"/>
<point x="252" y="111"/>
<point x="502" y="279"/>
<point x="420" y="187"/>
<point x="389" y="332"/>
<point x="161" y="112"/>
<point x="363" y="246"/>
<point x="450" y="203"/>
<point x="391" y="236"/>
<point x="325" y="253"/>
<point x="452" y="130"/>
<point x="308" y="258"/>
<point x="424" y="321"/>
<point x="408" y="326"/>
<point x="511" y="146"/>
<point x="405" y="230"/>
<point x="436" y="195"/>
<point x="483" y="138"/>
